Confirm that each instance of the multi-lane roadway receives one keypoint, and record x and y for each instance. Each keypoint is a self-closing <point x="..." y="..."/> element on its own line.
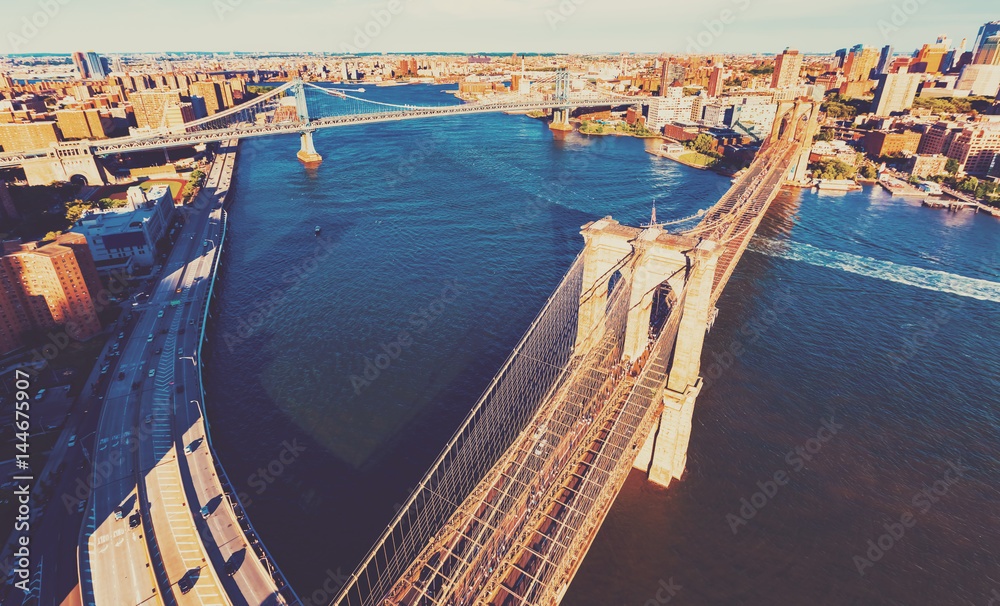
<point x="157" y="528"/>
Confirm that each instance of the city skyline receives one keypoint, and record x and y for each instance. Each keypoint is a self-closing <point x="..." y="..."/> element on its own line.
<point x="498" y="26"/>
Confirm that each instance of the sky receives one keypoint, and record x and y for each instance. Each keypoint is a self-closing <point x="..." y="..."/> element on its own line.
<point x="468" y="26"/>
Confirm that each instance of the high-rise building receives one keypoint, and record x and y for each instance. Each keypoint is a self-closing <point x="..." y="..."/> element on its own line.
<point x="839" y="58"/>
<point x="26" y="136"/>
<point x="151" y="106"/>
<point x="716" y="81"/>
<point x="97" y="66"/>
<point x="80" y="61"/>
<point x="991" y="28"/>
<point x="83" y="124"/>
<point x="177" y="114"/>
<point x="938" y="138"/>
<point x="979" y="79"/>
<point x="211" y="92"/>
<point x="674" y="105"/>
<point x="786" y="69"/>
<point x="929" y="58"/>
<point x="976" y="147"/>
<point x="860" y="62"/>
<point x="895" y="92"/>
<point x="989" y="52"/>
<point x="884" y="60"/>
<point x="117" y="65"/>
<point x="54" y="284"/>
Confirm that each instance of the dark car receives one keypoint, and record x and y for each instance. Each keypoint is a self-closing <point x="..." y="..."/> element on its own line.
<point x="231" y="568"/>
<point x="157" y="352"/>
<point x="185" y="583"/>
<point x="121" y="376"/>
<point x="134" y="520"/>
<point x="135" y="385"/>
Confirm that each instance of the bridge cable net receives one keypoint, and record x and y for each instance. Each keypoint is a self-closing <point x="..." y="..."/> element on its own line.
<point x="459" y="563"/>
<point x="532" y="371"/>
<point x="567" y="520"/>
<point x="257" y="111"/>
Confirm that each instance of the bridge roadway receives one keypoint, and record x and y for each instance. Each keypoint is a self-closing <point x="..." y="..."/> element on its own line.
<point x="241" y="130"/>
<point x="145" y="424"/>
<point x="521" y="535"/>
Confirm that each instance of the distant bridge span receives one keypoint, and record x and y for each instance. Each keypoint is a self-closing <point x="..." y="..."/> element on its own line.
<point x="261" y="117"/>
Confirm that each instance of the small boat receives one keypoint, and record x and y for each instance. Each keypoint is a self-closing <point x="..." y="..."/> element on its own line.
<point x="318" y="229"/>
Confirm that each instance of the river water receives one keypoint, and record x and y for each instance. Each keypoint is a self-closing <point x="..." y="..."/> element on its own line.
<point x="852" y="376"/>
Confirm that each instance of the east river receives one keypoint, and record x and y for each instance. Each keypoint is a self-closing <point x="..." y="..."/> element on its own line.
<point x="856" y="358"/>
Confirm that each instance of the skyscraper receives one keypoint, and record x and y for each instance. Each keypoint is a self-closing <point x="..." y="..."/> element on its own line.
<point x="97" y="66"/>
<point x="895" y="92"/>
<point x="81" y="65"/>
<point x="884" y="60"/>
<point x="839" y="58"/>
<point x="989" y="52"/>
<point x="860" y="62"/>
<point x="716" y="81"/>
<point x="991" y="28"/>
<point x="786" y="69"/>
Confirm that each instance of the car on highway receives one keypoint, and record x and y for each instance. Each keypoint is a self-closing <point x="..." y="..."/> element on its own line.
<point x="72" y="441"/>
<point x="150" y="338"/>
<point x="121" y="335"/>
<point x="188" y="450"/>
<point x="185" y="583"/>
<point x="135" y="385"/>
<point x="40" y="394"/>
<point x="104" y="369"/>
<point x="179" y="289"/>
<point x="81" y="506"/>
<point x="148" y="419"/>
<point x="121" y="376"/>
<point x="160" y="314"/>
<point x="157" y="352"/>
<point x="181" y="331"/>
<point x="134" y="520"/>
<point x="231" y="568"/>
<point x="204" y="511"/>
<point x="119" y="512"/>
<point x="152" y="373"/>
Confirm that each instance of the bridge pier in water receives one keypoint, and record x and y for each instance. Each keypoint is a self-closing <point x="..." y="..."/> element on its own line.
<point x="307" y="153"/>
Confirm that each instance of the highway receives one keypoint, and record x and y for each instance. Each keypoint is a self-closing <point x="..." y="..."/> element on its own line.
<point x="164" y="549"/>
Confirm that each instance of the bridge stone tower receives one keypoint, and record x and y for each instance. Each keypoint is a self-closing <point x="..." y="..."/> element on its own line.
<point x="801" y="116"/>
<point x="66" y="161"/>
<point x="649" y="258"/>
<point x="307" y="152"/>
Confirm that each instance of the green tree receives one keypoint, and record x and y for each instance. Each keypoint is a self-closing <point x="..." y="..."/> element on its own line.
<point x="969" y="185"/>
<point x="824" y="135"/>
<point x="705" y="143"/>
<point x="868" y="171"/>
<point x="951" y="166"/>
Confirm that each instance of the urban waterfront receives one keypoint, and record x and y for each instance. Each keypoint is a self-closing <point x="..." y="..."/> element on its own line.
<point x="442" y="239"/>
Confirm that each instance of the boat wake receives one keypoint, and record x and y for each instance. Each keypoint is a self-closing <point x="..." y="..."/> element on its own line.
<point x="929" y="279"/>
